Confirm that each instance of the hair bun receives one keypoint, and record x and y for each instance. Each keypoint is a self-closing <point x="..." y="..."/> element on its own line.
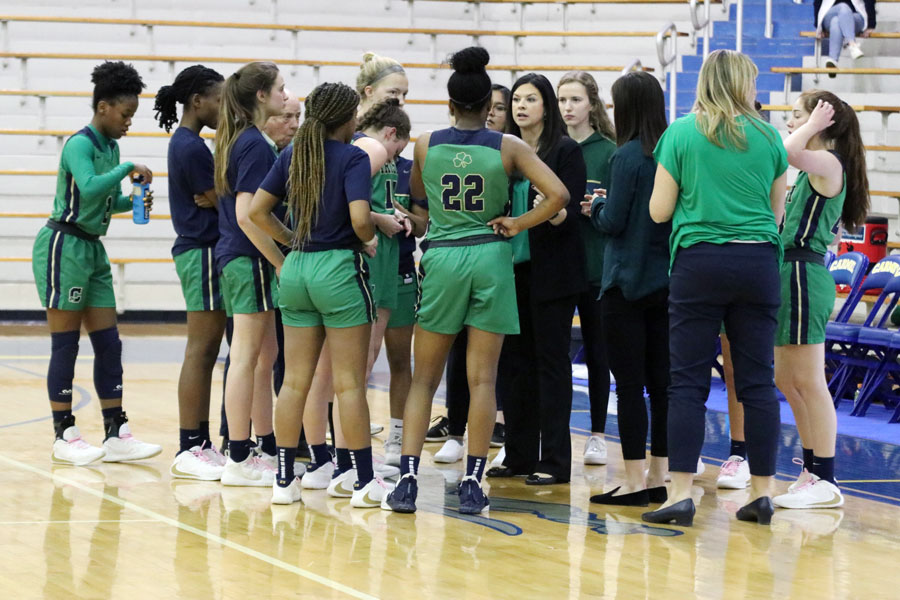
<point x="369" y="56"/>
<point x="470" y="60"/>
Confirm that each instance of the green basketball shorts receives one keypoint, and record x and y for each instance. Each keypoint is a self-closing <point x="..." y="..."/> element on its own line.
<point x="407" y="292"/>
<point x="807" y="299"/>
<point x="327" y="288"/>
<point x="383" y="271"/>
<point x="249" y="286"/>
<point x="468" y="285"/>
<point x="71" y="273"/>
<point x="196" y="270"/>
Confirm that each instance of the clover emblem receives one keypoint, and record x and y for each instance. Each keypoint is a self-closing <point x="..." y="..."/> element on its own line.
<point x="462" y="160"/>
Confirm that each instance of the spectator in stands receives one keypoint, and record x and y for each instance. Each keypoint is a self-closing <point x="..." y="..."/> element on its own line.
<point x="725" y="250"/>
<point x="584" y="114"/>
<point x="635" y="289"/>
<point x="280" y="129"/>
<point x="550" y="276"/>
<point x="831" y="188"/>
<point x="841" y="21"/>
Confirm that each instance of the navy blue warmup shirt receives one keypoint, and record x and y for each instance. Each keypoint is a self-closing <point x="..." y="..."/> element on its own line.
<point x="347" y="178"/>
<point x="250" y="160"/>
<point x="191" y="171"/>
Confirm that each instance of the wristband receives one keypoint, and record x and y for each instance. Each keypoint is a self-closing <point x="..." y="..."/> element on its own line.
<point x="371" y="242"/>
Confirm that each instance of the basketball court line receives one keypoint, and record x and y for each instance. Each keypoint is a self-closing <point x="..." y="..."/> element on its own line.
<point x="154" y="516"/>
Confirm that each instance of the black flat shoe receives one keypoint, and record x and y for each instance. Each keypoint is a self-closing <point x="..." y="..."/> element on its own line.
<point x="760" y="510"/>
<point x="500" y="471"/>
<point x="680" y="513"/>
<point x="658" y="495"/>
<point x="639" y="498"/>
<point x="541" y="479"/>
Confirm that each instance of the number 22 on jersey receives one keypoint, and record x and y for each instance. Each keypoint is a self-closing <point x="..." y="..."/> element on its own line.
<point x="462" y="194"/>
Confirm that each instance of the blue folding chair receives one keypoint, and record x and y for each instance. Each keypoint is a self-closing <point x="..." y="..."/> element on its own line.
<point x="844" y="354"/>
<point x="848" y="271"/>
<point x="829" y="257"/>
<point x="878" y="348"/>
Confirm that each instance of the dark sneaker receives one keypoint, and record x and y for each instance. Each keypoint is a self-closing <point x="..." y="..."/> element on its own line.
<point x="499" y="436"/>
<point x="403" y="497"/>
<point x="439" y="431"/>
<point x="471" y="497"/>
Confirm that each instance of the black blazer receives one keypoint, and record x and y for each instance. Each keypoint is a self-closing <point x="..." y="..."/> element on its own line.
<point x="557" y="252"/>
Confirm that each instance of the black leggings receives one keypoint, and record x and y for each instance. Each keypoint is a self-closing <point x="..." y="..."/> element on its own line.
<point x="639" y="332"/>
<point x="740" y="285"/>
<point x="595" y="356"/>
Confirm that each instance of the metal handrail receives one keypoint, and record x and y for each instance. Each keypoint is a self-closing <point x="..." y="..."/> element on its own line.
<point x="739" y="42"/>
<point x="634" y="65"/>
<point x="669" y="59"/>
<point x="706" y="25"/>
<point x="769" y="26"/>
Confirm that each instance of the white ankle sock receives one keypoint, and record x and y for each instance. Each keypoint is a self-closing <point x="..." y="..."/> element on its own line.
<point x="396" y="426"/>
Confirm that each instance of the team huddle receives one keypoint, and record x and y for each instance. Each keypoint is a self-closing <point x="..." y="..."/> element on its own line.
<point x="300" y="249"/>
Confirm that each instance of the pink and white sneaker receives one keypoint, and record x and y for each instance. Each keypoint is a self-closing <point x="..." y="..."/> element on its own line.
<point x="734" y="474"/>
<point x="71" y="449"/>
<point x="195" y="464"/>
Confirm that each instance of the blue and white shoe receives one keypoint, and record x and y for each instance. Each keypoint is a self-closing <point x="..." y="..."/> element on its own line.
<point x="472" y="499"/>
<point x="403" y="497"/>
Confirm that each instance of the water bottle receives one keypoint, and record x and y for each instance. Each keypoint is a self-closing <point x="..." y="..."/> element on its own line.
<point x="140" y="212"/>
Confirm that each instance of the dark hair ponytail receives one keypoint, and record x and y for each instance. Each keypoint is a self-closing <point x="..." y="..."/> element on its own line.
<point x="193" y="80"/>
<point x="848" y="144"/>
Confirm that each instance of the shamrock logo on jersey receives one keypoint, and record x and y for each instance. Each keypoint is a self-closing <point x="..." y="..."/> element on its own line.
<point x="462" y="160"/>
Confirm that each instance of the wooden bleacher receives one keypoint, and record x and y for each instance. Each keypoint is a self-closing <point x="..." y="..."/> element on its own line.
<point x="337" y="29"/>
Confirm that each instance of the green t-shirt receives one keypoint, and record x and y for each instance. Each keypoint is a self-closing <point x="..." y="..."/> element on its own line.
<point x="89" y="182"/>
<point x="465" y="181"/>
<point x="723" y="192"/>
<point x="811" y="220"/>
<point x="597" y="151"/>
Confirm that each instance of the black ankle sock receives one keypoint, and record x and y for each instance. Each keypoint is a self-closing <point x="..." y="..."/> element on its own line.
<point x="266" y="443"/>
<point x="808" y="459"/>
<point x="204" y="433"/>
<point x="59" y="416"/>
<point x="475" y="466"/>
<point x="344" y="463"/>
<point x="238" y="450"/>
<point x="285" y="465"/>
<point x="362" y="462"/>
<point x="188" y="438"/>
<point x="823" y="468"/>
<point x="739" y="448"/>
<point x="319" y="454"/>
<point x="109" y="413"/>
<point x="409" y="464"/>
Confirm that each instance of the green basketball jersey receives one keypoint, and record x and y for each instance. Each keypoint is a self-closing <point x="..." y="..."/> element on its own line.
<point x="89" y="182"/>
<point x="384" y="184"/>
<point x="810" y="219"/>
<point x="465" y="182"/>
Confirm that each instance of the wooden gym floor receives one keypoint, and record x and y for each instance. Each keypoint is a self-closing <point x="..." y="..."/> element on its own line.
<point x="131" y="531"/>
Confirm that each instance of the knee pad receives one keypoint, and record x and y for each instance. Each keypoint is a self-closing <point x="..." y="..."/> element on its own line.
<point x="107" y="363"/>
<point x="63" y="353"/>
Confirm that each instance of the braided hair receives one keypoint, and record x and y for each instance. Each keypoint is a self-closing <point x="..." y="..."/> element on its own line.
<point x="328" y="107"/>
<point x="387" y="113"/>
<point x="115" y="80"/>
<point x="193" y="80"/>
